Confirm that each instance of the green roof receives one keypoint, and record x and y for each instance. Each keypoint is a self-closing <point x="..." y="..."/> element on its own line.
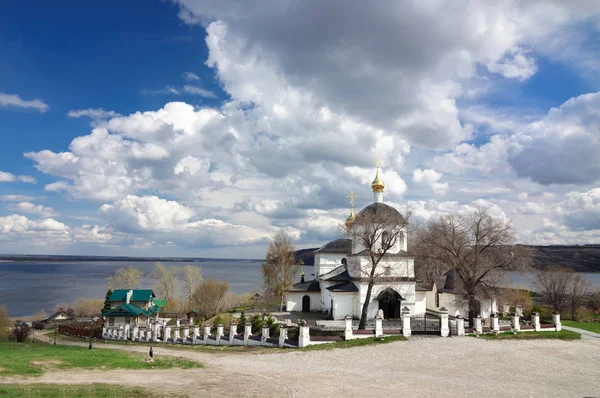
<point x="154" y="309"/>
<point x="127" y="310"/>
<point x="138" y="295"/>
<point x="160" y="303"/>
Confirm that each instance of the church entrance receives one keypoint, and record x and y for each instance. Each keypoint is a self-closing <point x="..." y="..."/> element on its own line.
<point x="306" y="303"/>
<point x="389" y="303"/>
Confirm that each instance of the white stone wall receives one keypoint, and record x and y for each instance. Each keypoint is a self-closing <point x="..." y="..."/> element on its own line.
<point x="325" y="262"/>
<point x="400" y="244"/>
<point x="294" y="301"/>
<point x="343" y="305"/>
<point x="360" y="266"/>
<point x="420" y="302"/>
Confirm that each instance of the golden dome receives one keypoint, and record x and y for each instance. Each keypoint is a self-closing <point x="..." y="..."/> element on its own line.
<point x="350" y="219"/>
<point x="378" y="185"/>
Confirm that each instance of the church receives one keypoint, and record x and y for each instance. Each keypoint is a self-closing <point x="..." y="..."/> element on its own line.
<point x="339" y="288"/>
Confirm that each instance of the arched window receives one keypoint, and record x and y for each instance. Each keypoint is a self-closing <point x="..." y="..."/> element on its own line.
<point x="344" y="261"/>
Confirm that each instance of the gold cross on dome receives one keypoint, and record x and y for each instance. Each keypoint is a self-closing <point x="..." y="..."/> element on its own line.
<point x="378" y="161"/>
<point x="352" y="197"/>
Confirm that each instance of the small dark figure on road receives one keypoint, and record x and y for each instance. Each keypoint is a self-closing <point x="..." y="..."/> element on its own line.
<point x="151" y="353"/>
<point x="90" y="346"/>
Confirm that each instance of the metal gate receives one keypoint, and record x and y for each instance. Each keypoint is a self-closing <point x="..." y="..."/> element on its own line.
<point x="425" y="324"/>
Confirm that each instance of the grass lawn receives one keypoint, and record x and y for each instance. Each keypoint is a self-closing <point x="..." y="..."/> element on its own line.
<point x="31" y="359"/>
<point x="562" y="335"/>
<point x="589" y="326"/>
<point x="354" y="343"/>
<point x="72" y="391"/>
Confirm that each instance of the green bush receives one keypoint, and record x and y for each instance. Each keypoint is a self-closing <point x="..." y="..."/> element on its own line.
<point x="273" y="327"/>
<point x="215" y="321"/>
<point x="241" y="323"/>
<point x="257" y="324"/>
<point x="545" y="313"/>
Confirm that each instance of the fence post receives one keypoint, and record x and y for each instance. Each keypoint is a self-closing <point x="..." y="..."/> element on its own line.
<point x="196" y="334"/>
<point x="348" y="329"/>
<point x="445" y="327"/>
<point x="515" y="322"/>
<point x="206" y="332"/>
<point x="478" y="324"/>
<point x="556" y="321"/>
<point x="406" y="322"/>
<point x="247" y="332"/>
<point x="135" y="333"/>
<point x="282" y="335"/>
<point x="303" y="335"/>
<point x="378" y="326"/>
<point x="148" y="334"/>
<point x="232" y="332"/>
<point x="265" y="334"/>
<point x="176" y="335"/>
<point x="186" y="333"/>
<point x="495" y="322"/>
<point x="460" y="326"/>
<point x="535" y="320"/>
<point x="156" y="328"/>
<point x="219" y="333"/>
<point x="103" y="332"/>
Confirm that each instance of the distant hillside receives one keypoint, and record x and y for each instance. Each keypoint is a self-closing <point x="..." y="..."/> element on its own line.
<point x="584" y="258"/>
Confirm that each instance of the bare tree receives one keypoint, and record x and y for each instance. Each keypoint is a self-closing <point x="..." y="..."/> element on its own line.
<point x="86" y="307"/>
<point x="426" y="268"/>
<point x="553" y="285"/>
<point x="578" y="289"/>
<point x="280" y="267"/>
<point x="125" y="278"/>
<point x="478" y="247"/>
<point x="4" y="323"/>
<point x="379" y="232"/>
<point x="166" y="281"/>
<point x="209" y="297"/>
<point x="191" y="275"/>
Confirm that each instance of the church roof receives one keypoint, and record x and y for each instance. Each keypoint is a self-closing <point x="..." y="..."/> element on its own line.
<point x="308" y="286"/>
<point x="339" y="274"/>
<point x="380" y="210"/>
<point x="449" y="283"/>
<point x="344" y="287"/>
<point x="336" y="246"/>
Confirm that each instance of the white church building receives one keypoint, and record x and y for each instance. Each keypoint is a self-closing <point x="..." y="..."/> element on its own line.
<point x="339" y="288"/>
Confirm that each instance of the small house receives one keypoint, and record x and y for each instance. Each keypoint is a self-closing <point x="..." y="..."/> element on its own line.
<point x="131" y="307"/>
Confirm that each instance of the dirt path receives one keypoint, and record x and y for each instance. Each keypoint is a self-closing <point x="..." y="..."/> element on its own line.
<point x="421" y="367"/>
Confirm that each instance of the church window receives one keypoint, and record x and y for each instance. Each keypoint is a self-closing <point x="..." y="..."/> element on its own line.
<point x="344" y="261"/>
<point x="437" y="299"/>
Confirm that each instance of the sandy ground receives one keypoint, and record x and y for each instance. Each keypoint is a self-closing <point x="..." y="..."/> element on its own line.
<point x="423" y="366"/>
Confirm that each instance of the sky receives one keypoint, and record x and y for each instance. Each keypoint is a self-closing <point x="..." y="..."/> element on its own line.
<point x="203" y="128"/>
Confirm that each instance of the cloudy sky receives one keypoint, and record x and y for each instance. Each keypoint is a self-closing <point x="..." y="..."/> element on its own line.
<point x="201" y="128"/>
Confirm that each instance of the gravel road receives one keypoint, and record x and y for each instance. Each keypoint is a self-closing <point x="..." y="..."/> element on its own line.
<point x="421" y="367"/>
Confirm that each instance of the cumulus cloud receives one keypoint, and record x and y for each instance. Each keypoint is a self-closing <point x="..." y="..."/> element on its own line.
<point x="30" y="208"/>
<point x="9" y="177"/>
<point x="14" y="100"/>
<point x="430" y="178"/>
<point x="16" y="198"/>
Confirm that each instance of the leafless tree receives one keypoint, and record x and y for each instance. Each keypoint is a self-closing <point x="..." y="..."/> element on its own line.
<point x="125" y="278"/>
<point x="562" y="288"/>
<point x="209" y="297"/>
<point x="166" y="281"/>
<point x="378" y="231"/>
<point x="87" y="307"/>
<point x="190" y="275"/>
<point x="480" y="249"/>
<point x="280" y="267"/>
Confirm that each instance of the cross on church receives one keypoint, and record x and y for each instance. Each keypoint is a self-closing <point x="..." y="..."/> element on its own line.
<point x="352" y="197"/>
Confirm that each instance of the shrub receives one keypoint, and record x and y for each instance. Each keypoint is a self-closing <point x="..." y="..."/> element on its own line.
<point x="20" y="331"/>
<point x="241" y="323"/>
<point x="273" y="326"/>
<point x="4" y="323"/>
<point x="257" y="324"/>
<point x="215" y="321"/>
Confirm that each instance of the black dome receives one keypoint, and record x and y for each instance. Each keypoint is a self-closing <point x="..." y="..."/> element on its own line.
<point x="380" y="210"/>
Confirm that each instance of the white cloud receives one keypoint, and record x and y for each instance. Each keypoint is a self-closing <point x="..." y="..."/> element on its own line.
<point x="9" y="177"/>
<point x="15" y="100"/>
<point x="16" y="198"/>
<point x="199" y="91"/>
<point x="95" y="114"/>
<point x="30" y="208"/>
<point x="190" y="76"/>
<point x="430" y="178"/>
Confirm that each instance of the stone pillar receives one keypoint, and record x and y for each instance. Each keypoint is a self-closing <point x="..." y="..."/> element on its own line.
<point x="265" y="334"/>
<point x="535" y="321"/>
<point x="478" y="324"/>
<point x="378" y="326"/>
<point x="282" y="335"/>
<point x="445" y="326"/>
<point x="460" y="325"/>
<point x="219" y="333"/>
<point x="303" y="335"/>
<point x="556" y="321"/>
<point x="134" y="335"/>
<point x="206" y="332"/>
<point x="247" y="332"/>
<point x="519" y="310"/>
<point x="104" y="331"/>
<point x="196" y="334"/>
<point x="156" y="328"/>
<point x="177" y="324"/>
<point x="232" y="332"/>
<point x="348" y="329"/>
<point x="121" y="335"/>
<point x="495" y="324"/>
<point x="167" y="335"/>
<point x="176" y="335"/>
<point x="514" y="321"/>
<point x="186" y="334"/>
<point x="127" y="329"/>
<point x="406" y="322"/>
<point x="148" y="334"/>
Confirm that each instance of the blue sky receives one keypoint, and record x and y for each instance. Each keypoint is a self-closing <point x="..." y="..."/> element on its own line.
<point x="261" y="116"/>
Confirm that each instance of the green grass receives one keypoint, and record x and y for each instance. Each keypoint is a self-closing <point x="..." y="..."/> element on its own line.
<point x="354" y="343"/>
<point x="589" y="326"/>
<point x="32" y="359"/>
<point x="72" y="391"/>
<point x="562" y="335"/>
